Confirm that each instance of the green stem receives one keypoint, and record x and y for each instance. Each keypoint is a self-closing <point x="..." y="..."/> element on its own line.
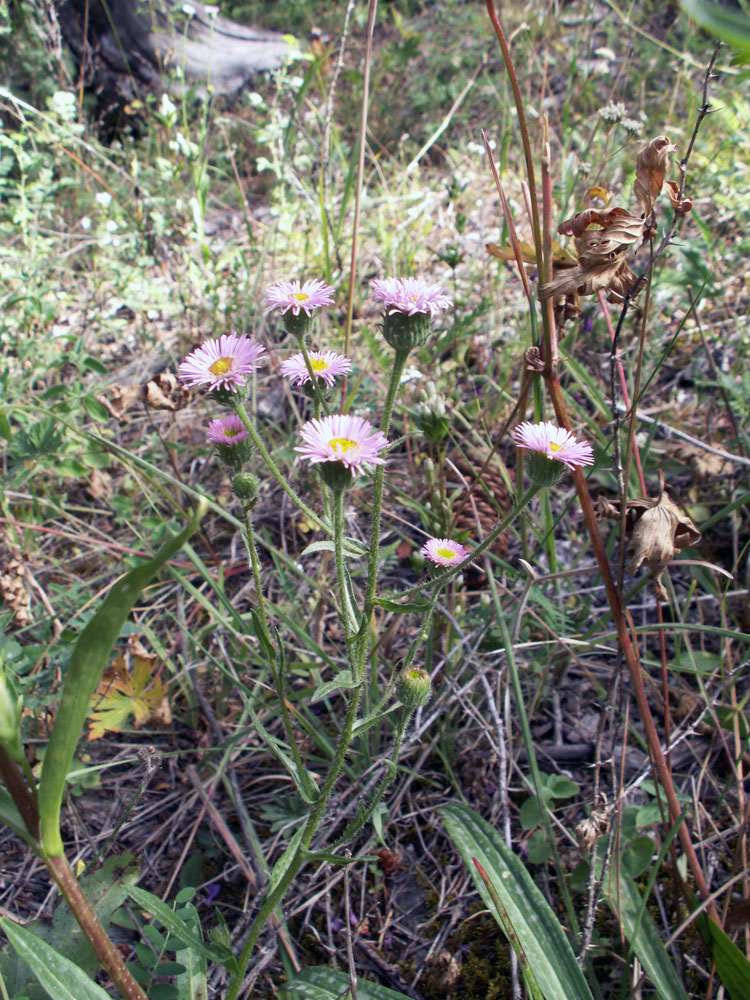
<point x="399" y="363"/>
<point x="365" y="812"/>
<point x="274" y="897"/>
<point x="320" y="401"/>
<point x="252" y="552"/>
<point x="275" y="471"/>
<point x="449" y="574"/>
<point x="348" y="612"/>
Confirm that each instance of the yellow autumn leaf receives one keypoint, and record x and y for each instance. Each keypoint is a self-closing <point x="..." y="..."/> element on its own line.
<point x="123" y="693"/>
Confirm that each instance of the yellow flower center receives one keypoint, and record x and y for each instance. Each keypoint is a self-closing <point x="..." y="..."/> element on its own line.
<point x="232" y="431"/>
<point x="318" y="364"/>
<point x="301" y="296"/>
<point x="342" y="444"/>
<point x="221" y="366"/>
<point x="446" y="553"/>
<point x="553" y="446"/>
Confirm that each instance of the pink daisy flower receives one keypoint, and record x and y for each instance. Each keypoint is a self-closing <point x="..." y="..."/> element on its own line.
<point x="221" y="364"/>
<point x="227" y="430"/>
<point x="411" y="296"/>
<point x="294" y="295"/>
<point x="443" y="552"/>
<point x="350" y="441"/>
<point x="325" y="364"/>
<point x="554" y="443"/>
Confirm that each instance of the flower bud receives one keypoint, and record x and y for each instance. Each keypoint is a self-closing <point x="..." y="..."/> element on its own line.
<point x="246" y="487"/>
<point x="335" y="475"/>
<point x="405" y="332"/>
<point x="414" y="687"/>
<point x="543" y="471"/>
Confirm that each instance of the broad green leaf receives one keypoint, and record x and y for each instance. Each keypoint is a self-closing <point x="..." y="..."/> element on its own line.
<point x="173" y="923"/>
<point x="90" y="656"/>
<point x="640" y="930"/>
<point x="731" y="964"/>
<point x="319" y="983"/>
<point x="106" y="888"/>
<point x="539" y="932"/>
<point x="60" y="977"/>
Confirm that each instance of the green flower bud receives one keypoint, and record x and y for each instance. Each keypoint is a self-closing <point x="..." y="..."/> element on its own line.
<point x="406" y="332"/>
<point x="299" y="326"/>
<point x="246" y="487"/>
<point x="335" y="475"/>
<point x="414" y="687"/>
<point x="543" y="471"/>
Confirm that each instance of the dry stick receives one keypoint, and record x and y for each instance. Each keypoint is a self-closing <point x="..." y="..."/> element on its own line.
<point x="348" y="933"/>
<point x="629" y="651"/>
<point x="371" y="10"/>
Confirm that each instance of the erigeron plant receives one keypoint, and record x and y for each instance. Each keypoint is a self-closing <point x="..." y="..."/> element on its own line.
<point x="342" y="448"/>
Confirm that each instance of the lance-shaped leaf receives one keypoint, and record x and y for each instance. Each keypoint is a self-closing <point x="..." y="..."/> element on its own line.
<point x="90" y="656"/>
<point x="318" y="983"/>
<point x="61" y="978"/>
<point x="536" y="927"/>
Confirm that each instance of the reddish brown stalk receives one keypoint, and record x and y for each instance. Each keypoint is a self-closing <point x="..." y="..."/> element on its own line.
<point x="630" y="653"/>
<point x="14" y="780"/>
<point x="106" y="952"/>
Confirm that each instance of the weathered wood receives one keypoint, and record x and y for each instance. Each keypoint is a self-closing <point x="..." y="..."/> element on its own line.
<point x="125" y="48"/>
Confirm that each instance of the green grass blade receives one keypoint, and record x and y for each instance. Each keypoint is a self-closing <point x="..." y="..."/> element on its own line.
<point x="319" y="983"/>
<point x="640" y="930"/>
<point x="60" y="977"/>
<point x="90" y="656"/>
<point x="538" y="930"/>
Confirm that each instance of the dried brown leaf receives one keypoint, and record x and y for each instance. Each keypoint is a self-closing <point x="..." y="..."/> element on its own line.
<point x="165" y="392"/>
<point x="681" y="205"/>
<point x="651" y="166"/>
<point x="657" y="529"/>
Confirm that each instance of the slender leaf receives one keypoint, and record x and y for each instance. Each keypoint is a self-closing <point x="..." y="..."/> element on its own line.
<point x="342" y="680"/>
<point x="731" y="964"/>
<point x="539" y="932"/>
<point x="319" y="983"/>
<point x="280" y="868"/>
<point x="303" y="780"/>
<point x="641" y="932"/>
<point x="90" y="656"/>
<point x="60" y="977"/>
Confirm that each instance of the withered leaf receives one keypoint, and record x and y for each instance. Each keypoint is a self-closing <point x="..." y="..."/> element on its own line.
<point x="681" y="205"/>
<point x="650" y="169"/>
<point x="657" y="530"/>
<point x="602" y="240"/>
<point x="165" y="392"/>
